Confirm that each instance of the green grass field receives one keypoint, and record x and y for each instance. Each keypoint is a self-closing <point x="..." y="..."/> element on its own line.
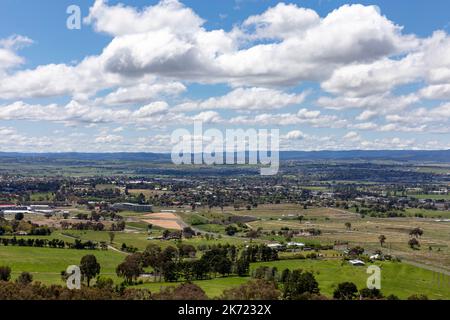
<point x="397" y="278"/>
<point x="46" y="264"/>
<point x="430" y="196"/>
<point x="42" y="196"/>
<point x="428" y="213"/>
<point x="212" y="287"/>
<point x="139" y="239"/>
<point x="400" y="279"/>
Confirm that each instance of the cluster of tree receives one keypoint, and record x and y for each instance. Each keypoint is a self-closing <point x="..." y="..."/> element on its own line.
<point x="82" y="216"/>
<point x="90" y="193"/>
<point x="40" y="243"/>
<point x="173" y="264"/>
<point x="299" y="256"/>
<point x="231" y="230"/>
<point x="254" y="233"/>
<point x="24" y="278"/>
<point x="265" y="273"/>
<point x="312" y="231"/>
<point x="184" y="291"/>
<point x="11" y="227"/>
<point x="128" y="248"/>
<point x="349" y="291"/>
<point x="289" y="234"/>
<point x="188" y="232"/>
<point x="355" y="252"/>
<point x="104" y="289"/>
<point x="415" y="234"/>
<point x="299" y="285"/>
<point x="96" y="226"/>
<point x="89" y="268"/>
<point x="89" y="225"/>
<point x="119" y="226"/>
<point x="256" y="253"/>
<point x="254" y="290"/>
<point x="45" y="243"/>
<point x="289" y="285"/>
<point x="40" y="231"/>
<point x="80" y="245"/>
<point x="104" y="213"/>
<point x="295" y="285"/>
<point x="380" y="212"/>
<point x="37" y="291"/>
<point x="413" y="243"/>
<point x="172" y="235"/>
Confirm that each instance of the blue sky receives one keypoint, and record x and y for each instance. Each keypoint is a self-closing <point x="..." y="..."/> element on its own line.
<point x="328" y="74"/>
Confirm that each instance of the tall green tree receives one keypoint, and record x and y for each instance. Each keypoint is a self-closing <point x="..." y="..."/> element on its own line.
<point x="131" y="268"/>
<point x="5" y="273"/>
<point x="299" y="283"/>
<point x="345" y="291"/>
<point x="89" y="267"/>
<point x="25" y="278"/>
<point x="382" y="239"/>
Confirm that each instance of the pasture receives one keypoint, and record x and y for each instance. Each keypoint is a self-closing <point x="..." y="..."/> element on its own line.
<point x="46" y="264"/>
<point x="400" y="279"/>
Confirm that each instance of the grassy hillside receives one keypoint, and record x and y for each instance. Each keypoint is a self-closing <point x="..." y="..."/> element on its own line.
<point x="400" y="279"/>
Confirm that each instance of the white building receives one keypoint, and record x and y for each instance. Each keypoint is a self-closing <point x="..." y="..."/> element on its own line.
<point x="357" y="262"/>
<point x="295" y="244"/>
<point x="276" y="246"/>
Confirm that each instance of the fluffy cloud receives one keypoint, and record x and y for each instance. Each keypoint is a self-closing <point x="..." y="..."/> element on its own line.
<point x="439" y="91"/>
<point x="389" y="143"/>
<point x="423" y="115"/>
<point x="358" y="56"/>
<point x="302" y="117"/>
<point x="364" y="126"/>
<point x="295" y="135"/>
<point x="208" y="117"/>
<point x="246" y="99"/>
<point x="8" y="48"/>
<point x="427" y="60"/>
<point x="154" y="115"/>
<point x="120" y="20"/>
<point x="352" y="136"/>
<point x="169" y="40"/>
<point x="348" y="35"/>
<point x="362" y="80"/>
<point x="108" y="139"/>
<point x="281" y="22"/>
<point x="52" y="80"/>
<point x="383" y="103"/>
<point x="366" y="115"/>
<point x="142" y="92"/>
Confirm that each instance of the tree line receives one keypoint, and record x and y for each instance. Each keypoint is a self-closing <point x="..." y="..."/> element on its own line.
<point x="54" y="243"/>
<point x="174" y="264"/>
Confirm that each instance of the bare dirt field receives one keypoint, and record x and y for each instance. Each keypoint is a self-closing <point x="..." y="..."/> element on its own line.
<point x="164" y="220"/>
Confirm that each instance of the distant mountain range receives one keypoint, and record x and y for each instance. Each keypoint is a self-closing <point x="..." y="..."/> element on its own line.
<point x="397" y="155"/>
<point x="394" y="155"/>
